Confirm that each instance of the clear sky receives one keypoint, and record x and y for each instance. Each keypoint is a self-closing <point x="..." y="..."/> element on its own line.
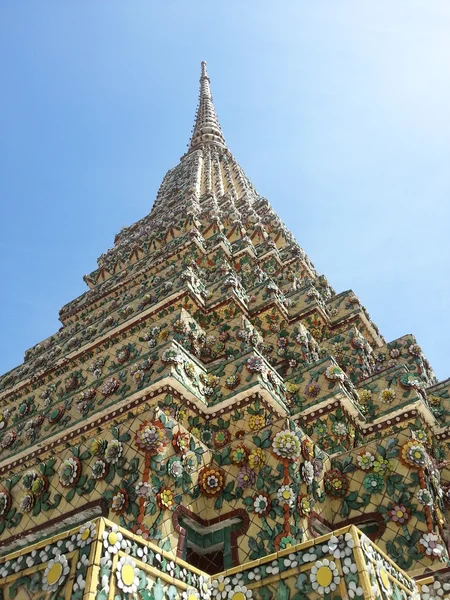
<point x="338" y="111"/>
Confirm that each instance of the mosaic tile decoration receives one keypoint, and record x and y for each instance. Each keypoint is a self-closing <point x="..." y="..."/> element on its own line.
<point x="230" y="423"/>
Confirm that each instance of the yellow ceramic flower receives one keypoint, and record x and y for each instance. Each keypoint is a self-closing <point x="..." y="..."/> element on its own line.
<point x="387" y="396"/>
<point x="97" y="447"/>
<point x="165" y="498"/>
<point x="365" y="396"/>
<point x="434" y="400"/>
<point x="256" y="422"/>
<point x="256" y="459"/>
<point x="195" y="431"/>
<point x="382" y="466"/>
<point x="292" y="388"/>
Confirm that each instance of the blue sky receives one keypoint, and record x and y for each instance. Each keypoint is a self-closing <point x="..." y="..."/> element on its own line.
<point x="338" y="111"/>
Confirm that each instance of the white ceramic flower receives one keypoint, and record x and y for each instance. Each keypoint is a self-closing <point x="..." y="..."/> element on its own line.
<point x="365" y="461"/>
<point x="286" y="444"/>
<point x="334" y="373"/>
<point x="309" y="557"/>
<point x="220" y="587"/>
<point x="79" y="584"/>
<point x="204" y="587"/>
<point x="383" y="577"/>
<point x="286" y="495"/>
<point x="85" y="535"/>
<point x="387" y="396"/>
<point x="348" y="566"/>
<point x="291" y="561"/>
<point x="260" y="504"/>
<point x="142" y="554"/>
<point x="112" y="540"/>
<point x="273" y="568"/>
<point x="127" y="575"/>
<point x="324" y="576"/>
<point x="436" y="591"/>
<point x="373" y="581"/>
<point x="190" y="594"/>
<point x="339" y="547"/>
<point x="424" y="497"/>
<point x="44" y="554"/>
<point x="255" y="575"/>
<point x="430" y="543"/>
<point x="31" y="559"/>
<point x="5" y="569"/>
<point x="240" y="592"/>
<point x="171" y="568"/>
<point x="55" y="572"/>
<point x="354" y="591"/>
<point x="17" y="564"/>
<point x="83" y="562"/>
<point x="366" y="546"/>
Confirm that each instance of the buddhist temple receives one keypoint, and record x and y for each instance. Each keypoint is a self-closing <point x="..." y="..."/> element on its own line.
<point x="213" y="421"/>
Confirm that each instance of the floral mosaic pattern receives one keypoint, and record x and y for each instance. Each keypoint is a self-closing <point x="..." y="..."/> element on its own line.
<point x="211" y="371"/>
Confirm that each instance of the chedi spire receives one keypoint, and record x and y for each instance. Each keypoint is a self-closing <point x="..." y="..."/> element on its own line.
<point x="206" y="129"/>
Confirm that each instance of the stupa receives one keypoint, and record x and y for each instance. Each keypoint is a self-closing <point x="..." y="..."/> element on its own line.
<point x="214" y="422"/>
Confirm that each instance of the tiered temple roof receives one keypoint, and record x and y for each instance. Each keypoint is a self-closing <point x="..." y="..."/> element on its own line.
<point x="213" y="395"/>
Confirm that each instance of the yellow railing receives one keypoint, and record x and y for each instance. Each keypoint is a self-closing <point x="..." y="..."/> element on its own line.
<point x="101" y="561"/>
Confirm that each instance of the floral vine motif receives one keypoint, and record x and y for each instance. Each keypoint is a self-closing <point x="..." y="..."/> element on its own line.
<point x="180" y="442"/>
<point x="286" y="445"/>
<point x="99" y="469"/>
<point x="171" y="356"/>
<point x="151" y="437"/>
<point x="307" y="449"/>
<point x="69" y="471"/>
<point x="120" y="502"/>
<point x="286" y="495"/>
<point x="262" y="505"/>
<point x="255" y="364"/>
<point x="211" y="481"/>
<point x="110" y="386"/>
<point x="429" y="545"/>
<point x="304" y="505"/>
<point x="8" y="439"/>
<point x="246" y="477"/>
<point x="336" y="483"/>
<point x="365" y="460"/>
<point x="387" y="396"/>
<point x="113" y="451"/>
<point x="165" y="499"/>
<point x="335" y="373"/>
<point x="232" y="381"/>
<point x="373" y="483"/>
<point x="239" y="454"/>
<point x="26" y="503"/>
<point x="399" y="514"/>
<point x="5" y="503"/>
<point x="414" y="454"/>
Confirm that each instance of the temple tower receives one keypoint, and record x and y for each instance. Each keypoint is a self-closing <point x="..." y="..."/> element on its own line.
<point x="213" y="420"/>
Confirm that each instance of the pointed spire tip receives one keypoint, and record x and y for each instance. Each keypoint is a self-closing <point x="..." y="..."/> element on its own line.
<point x="206" y="128"/>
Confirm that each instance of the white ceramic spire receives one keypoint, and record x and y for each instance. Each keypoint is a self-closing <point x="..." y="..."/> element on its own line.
<point x="206" y="129"/>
